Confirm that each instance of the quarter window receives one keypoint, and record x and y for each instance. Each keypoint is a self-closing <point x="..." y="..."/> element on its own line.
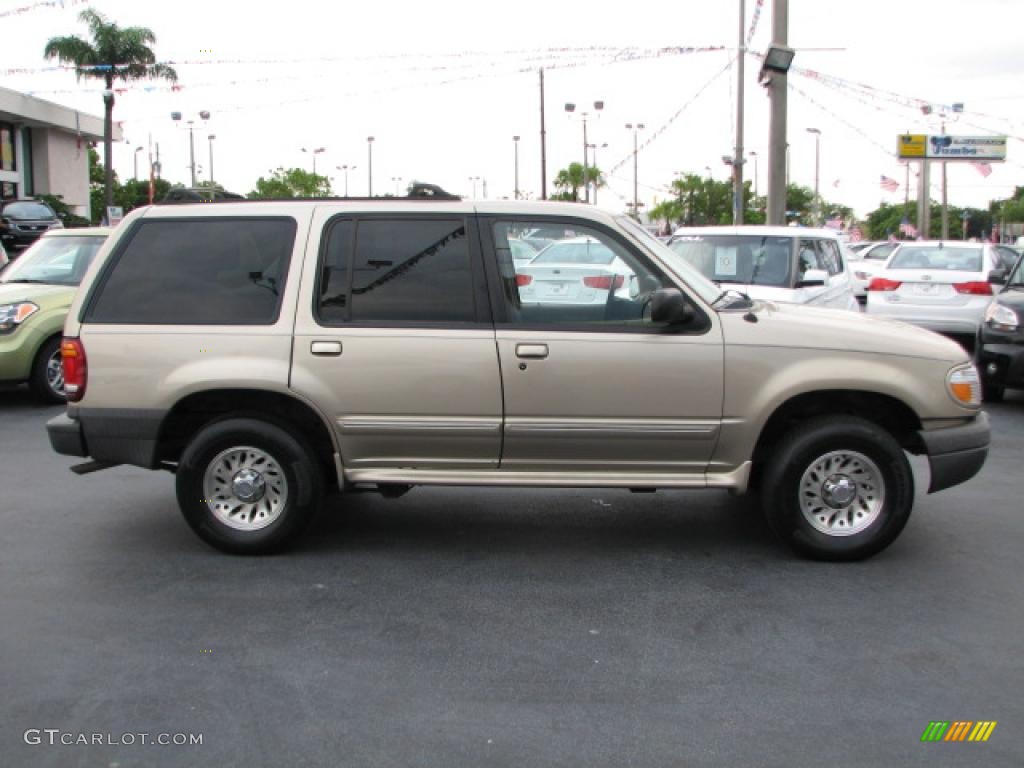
<point x="396" y="270"/>
<point x="223" y="271"/>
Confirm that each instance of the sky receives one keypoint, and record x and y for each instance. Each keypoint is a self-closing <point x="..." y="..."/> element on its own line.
<point x="444" y="86"/>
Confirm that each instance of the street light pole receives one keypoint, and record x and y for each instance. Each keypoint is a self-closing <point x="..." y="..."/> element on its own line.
<point x="737" y="164"/>
<point x="753" y="154"/>
<point x="135" y="174"/>
<point x="211" y="137"/>
<point x="346" y="169"/>
<point x="817" y="167"/>
<point x="570" y="108"/>
<point x="515" y="144"/>
<point x="397" y="180"/>
<point x="636" y="187"/>
<point x="369" y="168"/>
<point x="597" y="178"/>
<point x="474" y="179"/>
<point x="191" y="153"/>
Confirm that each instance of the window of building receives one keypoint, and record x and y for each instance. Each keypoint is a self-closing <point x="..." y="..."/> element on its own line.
<point x="223" y="271"/>
<point x="7" y="147"/>
<point x="396" y="270"/>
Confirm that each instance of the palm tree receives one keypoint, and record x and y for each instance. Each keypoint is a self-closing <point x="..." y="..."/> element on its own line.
<point x="114" y="54"/>
<point x="570" y="180"/>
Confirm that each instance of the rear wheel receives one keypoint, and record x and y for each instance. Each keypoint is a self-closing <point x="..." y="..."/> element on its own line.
<point x="47" y="378"/>
<point x="838" y="489"/>
<point x="247" y="486"/>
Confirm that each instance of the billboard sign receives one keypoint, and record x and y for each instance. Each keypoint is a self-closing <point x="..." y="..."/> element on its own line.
<point x="915" y="146"/>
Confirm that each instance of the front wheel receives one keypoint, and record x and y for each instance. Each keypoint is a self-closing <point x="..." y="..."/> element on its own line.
<point x="838" y="488"/>
<point x="247" y="486"/>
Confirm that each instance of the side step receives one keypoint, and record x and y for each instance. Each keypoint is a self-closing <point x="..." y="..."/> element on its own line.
<point x="92" y="466"/>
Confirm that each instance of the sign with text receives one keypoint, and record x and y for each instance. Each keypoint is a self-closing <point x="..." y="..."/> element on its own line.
<point x="915" y="146"/>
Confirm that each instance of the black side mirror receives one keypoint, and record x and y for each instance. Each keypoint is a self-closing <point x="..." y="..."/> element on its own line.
<point x="669" y="306"/>
<point x="997" y="277"/>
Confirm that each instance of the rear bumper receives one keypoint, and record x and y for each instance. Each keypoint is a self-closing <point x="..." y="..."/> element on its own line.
<point x="956" y="454"/>
<point x="66" y="436"/>
<point x="959" y="320"/>
<point x="112" y="436"/>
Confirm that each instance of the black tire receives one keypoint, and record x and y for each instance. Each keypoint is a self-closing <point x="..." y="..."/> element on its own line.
<point x="300" y="473"/>
<point x="39" y="381"/>
<point x="799" y="450"/>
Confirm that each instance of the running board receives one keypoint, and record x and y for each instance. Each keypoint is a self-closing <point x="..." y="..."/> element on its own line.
<point x="736" y="480"/>
<point x="92" y="466"/>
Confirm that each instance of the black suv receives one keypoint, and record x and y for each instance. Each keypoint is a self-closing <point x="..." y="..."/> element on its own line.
<point x="999" y="348"/>
<point x="22" y="222"/>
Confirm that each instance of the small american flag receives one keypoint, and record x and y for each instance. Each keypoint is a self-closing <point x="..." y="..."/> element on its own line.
<point x="983" y="168"/>
<point x="889" y="185"/>
<point x="908" y="229"/>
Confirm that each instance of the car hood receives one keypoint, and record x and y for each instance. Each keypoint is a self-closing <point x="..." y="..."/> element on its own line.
<point x="46" y="296"/>
<point x="795" y="325"/>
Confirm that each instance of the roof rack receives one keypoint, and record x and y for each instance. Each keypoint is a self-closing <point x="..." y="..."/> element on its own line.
<point x="417" y="192"/>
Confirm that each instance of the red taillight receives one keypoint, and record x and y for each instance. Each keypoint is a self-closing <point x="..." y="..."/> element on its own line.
<point x="522" y="280"/>
<point x="72" y="355"/>
<point x="883" y="284"/>
<point x="604" y="282"/>
<point x="975" y="289"/>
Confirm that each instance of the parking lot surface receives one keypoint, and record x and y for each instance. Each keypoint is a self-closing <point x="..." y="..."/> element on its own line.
<point x="471" y="627"/>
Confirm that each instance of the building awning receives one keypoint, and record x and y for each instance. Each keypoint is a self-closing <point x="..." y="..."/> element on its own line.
<point x="28" y="110"/>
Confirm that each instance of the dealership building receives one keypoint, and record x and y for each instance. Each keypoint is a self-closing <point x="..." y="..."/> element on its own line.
<point x="44" y="149"/>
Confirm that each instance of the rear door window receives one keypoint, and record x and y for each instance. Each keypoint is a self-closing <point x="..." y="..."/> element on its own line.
<point x="218" y="271"/>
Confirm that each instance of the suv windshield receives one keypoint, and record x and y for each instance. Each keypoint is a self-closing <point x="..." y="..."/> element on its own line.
<point x="744" y="259"/>
<point x="28" y="210"/>
<point x="54" y="260"/>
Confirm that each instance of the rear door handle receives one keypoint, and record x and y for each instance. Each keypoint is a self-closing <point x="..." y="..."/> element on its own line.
<point x="325" y="348"/>
<point x="532" y="351"/>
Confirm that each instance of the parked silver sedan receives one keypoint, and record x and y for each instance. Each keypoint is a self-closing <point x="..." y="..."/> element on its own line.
<point x="942" y="286"/>
<point x="577" y="270"/>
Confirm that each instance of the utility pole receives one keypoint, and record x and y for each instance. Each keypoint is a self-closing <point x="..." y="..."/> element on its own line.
<point x="945" y="210"/>
<point x="737" y="164"/>
<point x="777" y="89"/>
<point x="543" y="143"/>
<point x="924" y="204"/>
<point x="192" y="153"/>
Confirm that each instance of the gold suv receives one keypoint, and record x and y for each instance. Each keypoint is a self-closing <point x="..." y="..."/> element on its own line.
<point x="266" y="352"/>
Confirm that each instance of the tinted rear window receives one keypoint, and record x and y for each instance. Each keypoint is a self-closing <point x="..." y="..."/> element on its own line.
<point x="928" y="257"/>
<point x="223" y="271"/>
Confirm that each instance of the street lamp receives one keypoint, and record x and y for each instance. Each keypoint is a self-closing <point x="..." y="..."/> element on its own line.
<point x="135" y="175"/>
<point x="210" y="138"/>
<point x="474" y="179"/>
<point x="346" y="169"/>
<point x="515" y="144"/>
<point x="204" y="115"/>
<point x="570" y="108"/>
<point x="817" y="168"/>
<point x="753" y="154"/>
<point x="636" y="189"/>
<point x="597" y="179"/>
<point x="369" y="165"/>
<point x="397" y="180"/>
<point x="315" y="152"/>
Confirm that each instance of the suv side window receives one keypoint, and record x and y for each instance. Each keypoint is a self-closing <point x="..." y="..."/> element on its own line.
<point x="218" y="271"/>
<point x="396" y="270"/>
<point x="807" y="258"/>
<point x="1006" y="257"/>
<point x="831" y="257"/>
<point x="584" y="279"/>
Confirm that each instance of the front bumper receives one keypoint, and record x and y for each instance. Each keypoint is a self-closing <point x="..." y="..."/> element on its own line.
<point x="18" y="351"/>
<point x="1006" y="359"/>
<point x="14" y="238"/>
<point x="956" y="454"/>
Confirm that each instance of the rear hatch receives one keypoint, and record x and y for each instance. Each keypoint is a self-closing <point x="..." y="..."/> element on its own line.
<point x="937" y="287"/>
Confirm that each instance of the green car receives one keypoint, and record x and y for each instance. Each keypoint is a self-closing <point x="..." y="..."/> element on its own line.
<point x="35" y="292"/>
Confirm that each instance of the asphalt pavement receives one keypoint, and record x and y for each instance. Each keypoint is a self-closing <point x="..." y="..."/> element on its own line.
<point x="477" y="627"/>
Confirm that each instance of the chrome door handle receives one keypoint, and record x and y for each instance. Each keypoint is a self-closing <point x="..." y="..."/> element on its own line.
<point x="532" y="351"/>
<point x="325" y="348"/>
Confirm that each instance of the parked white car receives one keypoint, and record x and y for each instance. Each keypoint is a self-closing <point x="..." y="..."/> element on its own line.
<point x="942" y="286"/>
<point x="786" y="264"/>
<point x="866" y="263"/>
<point x="577" y="270"/>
